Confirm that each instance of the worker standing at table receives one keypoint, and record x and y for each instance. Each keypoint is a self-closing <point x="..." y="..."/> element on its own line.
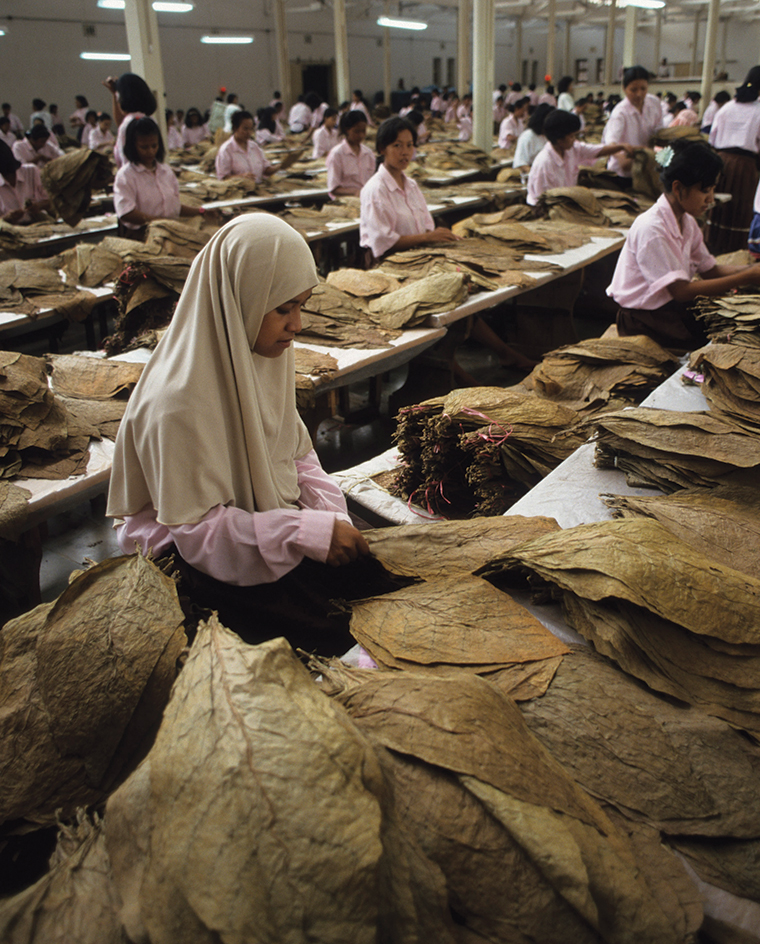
<point x="213" y="460"/>
<point x="654" y="277"/>
<point x="634" y="119"/>
<point x="735" y="133"/>
<point x="131" y="99"/>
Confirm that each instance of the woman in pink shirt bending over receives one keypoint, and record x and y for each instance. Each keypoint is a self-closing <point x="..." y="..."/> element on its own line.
<point x="213" y="462"/>
<point x="240" y="156"/>
<point x="145" y="188"/>
<point x="634" y="119"/>
<point x="654" y="277"/>
<point x="131" y="99"/>
<point x="23" y="199"/>
<point x="558" y="161"/>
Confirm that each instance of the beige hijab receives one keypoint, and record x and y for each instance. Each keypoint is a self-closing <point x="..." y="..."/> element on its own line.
<point x="210" y="422"/>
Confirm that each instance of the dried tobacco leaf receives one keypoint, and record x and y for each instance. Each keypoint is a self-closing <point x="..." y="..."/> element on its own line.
<point x="410" y="304"/>
<point x="83" y="681"/>
<point x="13" y="510"/>
<point x="74" y="901"/>
<point x="466" y="727"/>
<point x="676" y="768"/>
<point x="69" y="180"/>
<point x="361" y="282"/>
<point x="732" y="864"/>
<point x="260" y="808"/>
<point x="92" y="378"/>
<point x="574" y="205"/>
<point x="722" y="523"/>
<point x="443" y="548"/>
<point x="453" y="620"/>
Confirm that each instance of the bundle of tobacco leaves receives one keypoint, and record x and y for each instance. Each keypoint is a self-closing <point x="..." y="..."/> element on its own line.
<point x="202" y="188"/>
<point x="363" y="283"/>
<point x="70" y="180"/>
<point x="526" y="854"/>
<point x="621" y="208"/>
<point x="731" y="319"/>
<point x="306" y="219"/>
<point x="83" y="681"/>
<point x="646" y="174"/>
<point x="93" y="389"/>
<point x="478" y="450"/>
<point x="144" y="307"/>
<point x="573" y="205"/>
<point x="732" y="381"/>
<point x="667" y="449"/>
<point x="598" y="177"/>
<point x="262" y="811"/>
<point x="31" y="286"/>
<point x="500" y="229"/>
<point x="39" y="437"/>
<point x="16" y="238"/>
<point x="13" y="510"/>
<point x="442" y="156"/>
<point x="683" y="773"/>
<point x="313" y="368"/>
<point x="591" y="373"/>
<point x="663" y="136"/>
<point x="680" y="622"/>
<point x="722" y="522"/>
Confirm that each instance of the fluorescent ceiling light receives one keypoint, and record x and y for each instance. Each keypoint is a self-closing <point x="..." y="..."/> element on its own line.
<point x="160" y="6"/>
<point x="115" y="56"/>
<point x="2" y="32"/>
<point x="644" y="4"/>
<point x="226" y="39"/>
<point x="401" y="24"/>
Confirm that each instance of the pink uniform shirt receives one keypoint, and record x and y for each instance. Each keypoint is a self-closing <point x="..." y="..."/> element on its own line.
<point x="360" y="106"/>
<point x="264" y="136"/>
<point x="551" y="169"/>
<point x="631" y="126"/>
<point x="98" y="138"/>
<point x="325" y="139"/>
<point x="244" y="548"/>
<point x="86" y="132"/>
<point x="656" y="254"/>
<point x="9" y="138"/>
<point x="232" y="160"/>
<point x="137" y="188"/>
<point x="511" y="126"/>
<point x="388" y="212"/>
<point x="121" y="137"/>
<point x="24" y="152"/>
<point x="191" y="136"/>
<point x="737" y="125"/>
<point x="345" y="169"/>
<point x="28" y="187"/>
<point x="465" y="128"/>
<point x="299" y="117"/>
<point x="16" y="123"/>
<point x="173" y="138"/>
<point x="547" y="99"/>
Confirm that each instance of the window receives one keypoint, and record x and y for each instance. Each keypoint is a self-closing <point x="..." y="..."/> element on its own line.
<point x="437" y="71"/>
<point x="451" y="79"/>
<point x="581" y="71"/>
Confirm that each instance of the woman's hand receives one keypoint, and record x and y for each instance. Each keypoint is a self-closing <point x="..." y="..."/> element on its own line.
<point x="110" y="83"/>
<point x="441" y="235"/>
<point x="346" y="544"/>
<point x="14" y="216"/>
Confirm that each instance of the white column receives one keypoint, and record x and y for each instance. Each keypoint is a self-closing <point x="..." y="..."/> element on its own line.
<point x="711" y="43"/>
<point x="723" y="42"/>
<point x="566" y="58"/>
<point x="386" y="59"/>
<point x="144" y="48"/>
<point x="341" y="50"/>
<point x="464" y="45"/>
<point x="629" y="43"/>
<point x="483" y="73"/>
<point x="657" y="40"/>
<point x="695" y="46"/>
<point x="283" y="59"/>
<point x="609" y="53"/>
<point x="551" y="41"/>
<point x="518" y="48"/>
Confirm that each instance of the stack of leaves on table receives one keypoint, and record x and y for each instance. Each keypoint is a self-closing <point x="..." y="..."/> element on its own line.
<point x="476" y="451"/>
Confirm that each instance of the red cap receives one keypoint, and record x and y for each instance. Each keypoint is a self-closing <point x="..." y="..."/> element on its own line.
<point x="224" y="88"/>
<point x="547" y="78"/>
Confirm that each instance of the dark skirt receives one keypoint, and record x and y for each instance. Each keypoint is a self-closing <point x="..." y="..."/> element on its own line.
<point x="728" y="225"/>
<point x="308" y="606"/>
<point x="754" y="236"/>
<point x="671" y="326"/>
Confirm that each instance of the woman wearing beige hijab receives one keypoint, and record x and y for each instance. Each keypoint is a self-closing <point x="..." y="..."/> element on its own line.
<point x="212" y="457"/>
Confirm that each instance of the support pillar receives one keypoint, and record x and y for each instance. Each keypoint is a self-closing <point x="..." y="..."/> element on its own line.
<point x="609" y="54"/>
<point x="464" y="45"/>
<point x="711" y="43"/>
<point x="386" y="59"/>
<point x="284" y="84"/>
<point x="695" y="47"/>
<point x="145" y="50"/>
<point x="566" y="58"/>
<point x="551" y="40"/>
<point x="341" y="51"/>
<point x="483" y="73"/>
<point x="657" y="41"/>
<point x="629" y="43"/>
<point x="518" y="48"/>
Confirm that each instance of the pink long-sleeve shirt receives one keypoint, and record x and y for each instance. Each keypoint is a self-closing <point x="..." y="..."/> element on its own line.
<point x="137" y="188"/>
<point x="552" y="169"/>
<point x="28" y="187"/>
<point x="389" y="211"/>
<point x="243" y="548"/>
<point x="232" y="159"/>
<point x="346" y="169"/>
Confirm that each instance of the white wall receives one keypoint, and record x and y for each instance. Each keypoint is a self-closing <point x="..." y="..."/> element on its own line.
<point x="40" y="54"/>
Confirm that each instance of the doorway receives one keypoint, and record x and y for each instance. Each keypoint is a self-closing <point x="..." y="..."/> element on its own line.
<point x="319" y="78"/>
